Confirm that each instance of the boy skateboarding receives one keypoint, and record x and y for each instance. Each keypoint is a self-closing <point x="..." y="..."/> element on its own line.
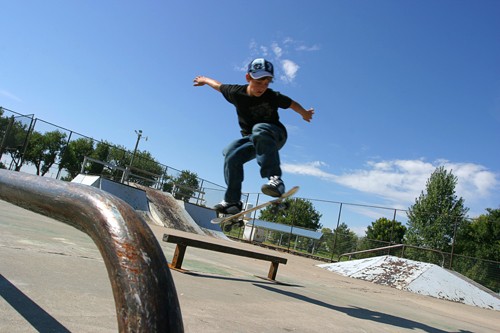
<point x="263" y="135"/>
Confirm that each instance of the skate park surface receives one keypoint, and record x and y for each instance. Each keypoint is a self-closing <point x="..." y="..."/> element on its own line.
<point x="53" y="279"/>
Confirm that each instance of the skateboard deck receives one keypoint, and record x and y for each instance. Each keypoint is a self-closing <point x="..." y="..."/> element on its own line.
<point x="238" y="216"/>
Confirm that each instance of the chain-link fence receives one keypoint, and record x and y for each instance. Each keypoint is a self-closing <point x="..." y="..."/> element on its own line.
<point x="14" y="131"/>
<point x="43" y="148"/>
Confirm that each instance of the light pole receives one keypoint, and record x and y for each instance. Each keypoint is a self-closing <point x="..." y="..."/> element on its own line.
<point x="139" y="134"/>
<point x="127" y="169"/>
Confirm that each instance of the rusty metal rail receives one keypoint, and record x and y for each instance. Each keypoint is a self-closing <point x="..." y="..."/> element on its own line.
<point x="143" y="288"/>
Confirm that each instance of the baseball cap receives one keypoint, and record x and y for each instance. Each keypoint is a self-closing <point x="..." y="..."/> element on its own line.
<point x="260" y="68"/>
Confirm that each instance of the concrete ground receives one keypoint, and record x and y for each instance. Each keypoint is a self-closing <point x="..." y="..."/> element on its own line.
<point x="52" y="279"/>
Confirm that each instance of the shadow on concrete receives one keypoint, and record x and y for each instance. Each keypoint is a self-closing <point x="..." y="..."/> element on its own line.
<point x="361" y="313"/>
<point x="34" y="314"/>
<point x="218" y="277"/>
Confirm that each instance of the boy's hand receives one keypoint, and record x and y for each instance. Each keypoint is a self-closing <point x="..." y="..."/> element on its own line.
<point x="199" y="81"/>
<point x="202" y="80"/>
<point x="307" y="114"/>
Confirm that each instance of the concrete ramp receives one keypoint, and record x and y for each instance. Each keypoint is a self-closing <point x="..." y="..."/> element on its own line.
<point x="417" y="277"/>
<point x="165" y="209"/>
<point x="87" y="180"/>
<point x="202" y="216"/>
<point x="177" y="214"/>
<point x="134" y="196"/>
<point x="157" y="207"/>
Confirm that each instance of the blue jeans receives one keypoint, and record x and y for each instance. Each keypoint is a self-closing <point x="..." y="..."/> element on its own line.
<point x="264" y="144"/>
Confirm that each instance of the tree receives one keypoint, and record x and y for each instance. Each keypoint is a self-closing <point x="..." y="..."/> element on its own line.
<point x="13" y="136"/>
<point x="382" y="232"/>
<point x="185" y="184"/>
<point x="435" y="215"/>
<point x="100" y="153"/>
<point x="43" y="150"/>
<point x="114" y="155"/>
<point x="386" y="230"/>
<point x="480" y="237"/>
<point x="341" y="240"/>
<point x="300" y="213"/>
<point x="327" y="240"/>
<point x="73" y="155"/>
<point x="146" y="167"/>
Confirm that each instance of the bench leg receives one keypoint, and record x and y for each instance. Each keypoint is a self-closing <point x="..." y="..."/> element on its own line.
<point x="273" y="270"/>
<point x="180" y="250"/>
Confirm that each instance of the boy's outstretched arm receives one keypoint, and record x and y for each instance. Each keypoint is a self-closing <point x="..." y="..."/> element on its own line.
<point x="306" y="114"/>
<point x="202" y="80"/>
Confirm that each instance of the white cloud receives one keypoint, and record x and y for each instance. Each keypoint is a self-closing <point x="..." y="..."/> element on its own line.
<point x="400" y="182"/>
<point x="308" y="48"/>
<point x="473" y="179"/>
<point x="9" y="95"/>
<point x="276" y="52"/>
<point x="290" y="70"/>
<point x="309" y="169"/>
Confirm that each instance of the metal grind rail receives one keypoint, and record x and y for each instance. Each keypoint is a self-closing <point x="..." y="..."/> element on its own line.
<point x="143" y="288"/>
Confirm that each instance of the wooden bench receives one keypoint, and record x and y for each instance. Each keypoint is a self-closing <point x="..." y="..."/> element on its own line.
<point x="184" y="242"/>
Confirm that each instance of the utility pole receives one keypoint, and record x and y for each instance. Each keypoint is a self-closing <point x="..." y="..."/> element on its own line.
<point x="139" y="135"/>
<point x="127" y="170"/>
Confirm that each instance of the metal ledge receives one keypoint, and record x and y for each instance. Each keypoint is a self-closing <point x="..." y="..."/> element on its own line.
<point x="143" y="288"/>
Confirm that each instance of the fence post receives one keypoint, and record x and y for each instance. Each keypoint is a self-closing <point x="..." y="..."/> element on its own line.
<point x="453" y="243"/>
<point x="5" y="135"/>
<point x="335" y="234"/>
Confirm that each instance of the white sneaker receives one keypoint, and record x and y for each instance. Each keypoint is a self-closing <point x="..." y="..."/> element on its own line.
<point x="274" y="188"/>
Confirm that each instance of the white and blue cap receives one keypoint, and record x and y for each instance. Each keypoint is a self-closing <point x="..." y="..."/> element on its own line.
<point x="260" y="68"/>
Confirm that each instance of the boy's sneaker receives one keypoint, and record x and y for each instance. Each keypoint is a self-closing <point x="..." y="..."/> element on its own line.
<point x="274" y="188"/>
<point x="229" y="208"/>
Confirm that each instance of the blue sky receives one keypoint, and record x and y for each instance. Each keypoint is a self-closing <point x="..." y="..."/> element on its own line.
<point x="399" y="87"/>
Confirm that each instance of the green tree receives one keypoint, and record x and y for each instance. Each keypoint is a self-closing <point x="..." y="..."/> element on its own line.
<point x="341" y="240"/>
<point x="146" y="167"/>
<point x="13" y="136"/>
<point x="185" y="185"/>
<point x="344" y="239"/>
<point x="73" y="155"/>
<point x="44" y="149"/>
<point x="118" y="155"/>
<point x="435" y="214"/>
<point x="327" y="241"/>
<point x="480" y="238"/>
<point x="386" y="230"/>
<point x="114" y="155"/>
<point x="100" y="153"/>
<point x="300" y="213"/>
<point x="382" y="232"/>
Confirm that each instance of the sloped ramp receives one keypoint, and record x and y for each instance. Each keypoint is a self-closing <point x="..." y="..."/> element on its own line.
<point x="165" y="209"/>
<point x="157" y="207"/>
<point x="202" y="216"/>
<point x="417" y="277"/>
<point x="134" y="196"/>
<point x="173" y="213"/>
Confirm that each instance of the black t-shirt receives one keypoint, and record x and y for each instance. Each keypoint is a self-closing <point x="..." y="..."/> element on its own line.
<point x="253" y="110"/>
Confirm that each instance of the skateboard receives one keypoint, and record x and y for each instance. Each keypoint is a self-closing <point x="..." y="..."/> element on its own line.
<point x="239" y="217"/>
